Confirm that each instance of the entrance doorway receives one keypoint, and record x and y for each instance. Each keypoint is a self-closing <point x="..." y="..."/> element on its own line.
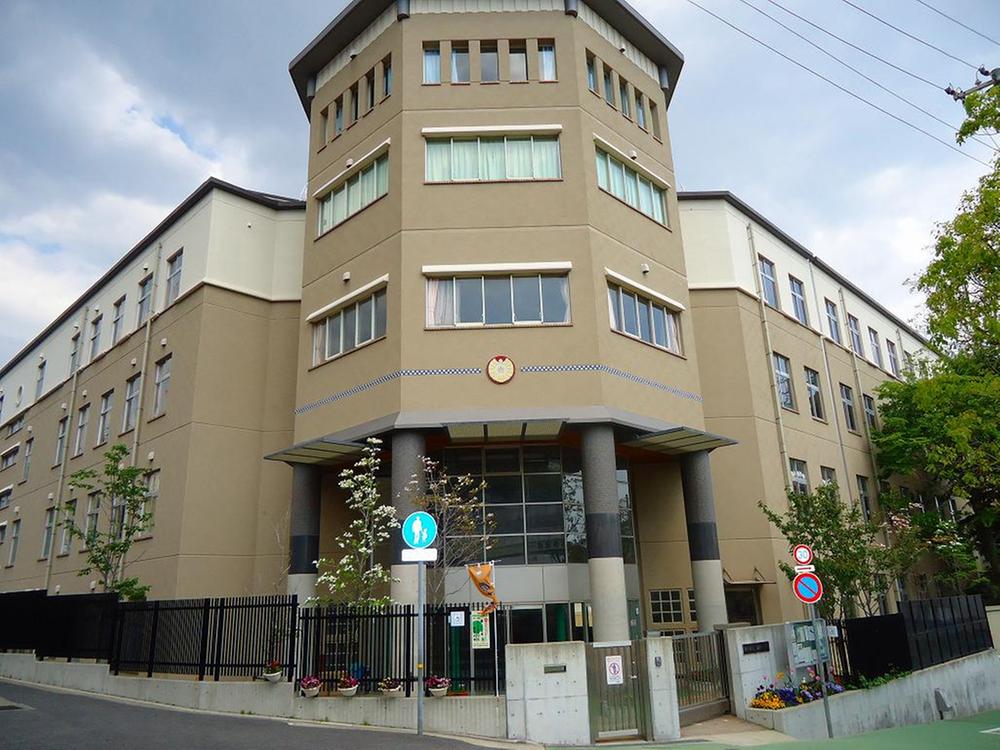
<point x="617" y="690"/>
<point x="743" y="604"/>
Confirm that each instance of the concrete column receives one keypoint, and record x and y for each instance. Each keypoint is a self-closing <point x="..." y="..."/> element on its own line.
<point x="604" y="541"/>
<point x="303" y="547"/>
<point x="407" y="449"/>
<point x="703" y="541"/>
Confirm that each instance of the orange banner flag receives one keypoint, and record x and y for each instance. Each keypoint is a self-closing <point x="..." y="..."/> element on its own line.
<point x="482" y="578"/>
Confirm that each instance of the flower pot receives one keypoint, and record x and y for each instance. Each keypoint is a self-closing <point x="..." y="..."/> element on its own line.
<point x="440" y="692"/>
<point x="272" y="676"/>
<point x="347" y="692"/>
<point x="394" y="692"/>
<point x="310" y="692"/>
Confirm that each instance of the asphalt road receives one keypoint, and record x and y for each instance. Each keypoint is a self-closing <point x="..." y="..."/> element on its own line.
<point x="54" y="720"/>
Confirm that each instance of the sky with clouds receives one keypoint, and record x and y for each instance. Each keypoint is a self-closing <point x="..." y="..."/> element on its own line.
<point x="112" y="112"/>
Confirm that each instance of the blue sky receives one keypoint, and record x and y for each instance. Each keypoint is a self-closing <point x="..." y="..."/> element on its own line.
<point x="112" y="112"/>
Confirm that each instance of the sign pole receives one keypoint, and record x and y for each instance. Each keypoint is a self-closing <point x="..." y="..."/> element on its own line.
<point x="421" y="595"/>
<point x="496" y="642"/>
<point x="819" y="631"/>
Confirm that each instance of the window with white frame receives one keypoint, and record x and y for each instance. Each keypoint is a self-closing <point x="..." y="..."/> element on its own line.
<point x="104" y="417"/>
<point x="61" y="440"/>
<point x="29" y="446"/>
<point x="3" y="532"/>
<point x="501" y="158"/>
<point x="118" y="320"/>
<point x="80" y="442"/>
<point x="48" y="531"/>
<point x="357" y="191"/>
<point x="131" y="402"/>
<point x="609" y="86"/>
<point x="5" y="495"/>
<point x="359" y="322"/>
<point x="800" y="476"/>
<point x="93" y="516"/>
<point x="460" y="62"/>
<point x="864" y="497"/>
<point x="69" y="517"/>
<point x="873" y="339"/>
<point x="149" y="501"/>
<point x="871" y="416"/>
<point x="145" y="300"/>
<point x="640" y="110"/>
<point x="833" y="321"/>
<point x="666" y="606"/>
<point x="432" y="62"/>
<point x="591" y="72"/>
<point x="15" y="535"/>
<point x="15" y="425"/>
<point x="1" y="407"/>
<point x="628" y="185"/>
<point x="847" y="402"/>
<point x="9" y="457"/>
<point x="40" y="381"/>
<point x="95" y="336"/>
<point x="768" y="281"/>
<point x="798" y="290"/>
<point x="161" y="385"/>
<point x="855" y="329"/>
<point x="118" y="510"/>
<point x="546" y="60"/>
<point x="624" y="98"/>
<point x="642" y="317"/>
<point x="828" y="475"/>
<point x="815" y="394"/>
<point x="692" y="609"/>
<point x="893" y="357"/>
<point x="174" y="265"/>
<point x="74" y="353"/>
<point x="503" y="299"/>
<point x="783" y="380"/>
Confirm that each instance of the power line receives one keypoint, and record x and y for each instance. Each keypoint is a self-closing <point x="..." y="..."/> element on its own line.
<point x="850" y="67"/>
<point x="837" y="85"/>
<point x="955" y="20"/>
<point x="862" y="50"/>
<point x="909" y="35"/>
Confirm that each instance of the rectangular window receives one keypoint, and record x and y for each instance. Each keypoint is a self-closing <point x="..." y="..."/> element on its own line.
<point x="833" y="321"/>
<point x="665" y="606"/>
<point x="893" y="358"/>
<point x="161" y="385"/>
<point x="95" y="337"/>
<point x="145" y="299"/>
<point x="532" y="299"/>
<point x="15" y="534"/>
<point x="3" y="532"/>
<point x="131" y="403"/>
<point x="174" y="265"/>
<point x="815" y="394"/>
<point x="15" y="426"/>
<point x="800" y="476"/>
<point x="40" y="381"/>
<point x="489" y="62"/>
<point x="74" y="354"/>
<point x="768" y="281"/>
<point x="354" y="193"/>
<point x="432" y="63"/>
<point x="338" y="116"/>
<point x="518" y="61"/>
<point x="69" y="515"/>
<point x="93" y="516"/>
<point x="629" y="186"/>
<point x="855" y="329"/>
<point x="654" y="118"/>
<point x="117" y="518"/>
<point x="546" y="60"/>
<point x="360" y="322"/>
<point x="118" y="321"/>
<point x="80" y="442"/>
<point x="5" y="495"/>
<point x="644" y="318"/>
<point x="61" y="440"/>
<point x="370" y="90"/>
<point x="640" y="110"/>
<point x="324" y="126"/>
<point x="864" y="497"/>
<point x="876" y="347"/>
<point x="783" y="379"/>
<point x="591" y="73"/>
<point x="8" y="458"/>
<point x="104" y="418"/>
<point x="29" y="447"/>
<point x="609" y="86"/>
<point x="460" y="62"/>
<point x="387" y="76"/>
<point x="692" y="610"/>
<point x="799" y="300"/>
<point x="355" y="103"/>
<point x="48" y="532"/>
<point x="493" y="159"/>
<point x="870" y="415"/>
<point x="624" y="98"/>
<point x="847" y="401"/>
<point x="828" y="475"/>
<point x="152" y="495"/>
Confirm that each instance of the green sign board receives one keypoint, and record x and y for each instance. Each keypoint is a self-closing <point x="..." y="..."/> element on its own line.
<point x="480" y="629"/>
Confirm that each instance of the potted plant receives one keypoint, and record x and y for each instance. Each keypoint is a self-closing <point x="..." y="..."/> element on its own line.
<point x="438" y="686"/>
<point x="347" y="686"/>
<point x="390" y="686"/>
<point x="272" y="672"/>
<point x="309" y="686"/>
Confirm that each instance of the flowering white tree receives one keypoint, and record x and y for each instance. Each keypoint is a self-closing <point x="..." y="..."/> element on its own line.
<point x="357" y="578"/>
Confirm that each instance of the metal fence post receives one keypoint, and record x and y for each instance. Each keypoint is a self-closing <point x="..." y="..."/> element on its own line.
<point x="293" y="611"/>
<point x="218" y="638"/>
<point x="203" y="652"/>
<point x="152" y="638"/>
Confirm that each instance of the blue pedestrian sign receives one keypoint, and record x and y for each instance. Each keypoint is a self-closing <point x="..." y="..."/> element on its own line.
<point x="419" y="530"/>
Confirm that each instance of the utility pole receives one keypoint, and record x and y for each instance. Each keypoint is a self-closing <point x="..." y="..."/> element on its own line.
<point x="993" y="79"/>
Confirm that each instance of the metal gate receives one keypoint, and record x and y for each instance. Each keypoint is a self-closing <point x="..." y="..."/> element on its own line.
<point x="617" y="689"/>
<point x="702" y="676"/>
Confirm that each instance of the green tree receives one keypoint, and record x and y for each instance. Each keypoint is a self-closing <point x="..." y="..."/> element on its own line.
<point x="108" y="548"/>
<point x="357" y="577"/>
<point x="857" y="559"/>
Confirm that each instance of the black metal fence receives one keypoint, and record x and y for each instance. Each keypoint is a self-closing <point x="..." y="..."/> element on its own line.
<point x="924" y="633"/>
<point x="69" y="626"/>
<point x="210" y="638"/>
<point x="372" y="644"/>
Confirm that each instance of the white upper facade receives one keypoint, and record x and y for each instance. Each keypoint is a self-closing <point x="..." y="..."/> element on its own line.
<point x="718" y="255"/>
<point x="221" y="235"/>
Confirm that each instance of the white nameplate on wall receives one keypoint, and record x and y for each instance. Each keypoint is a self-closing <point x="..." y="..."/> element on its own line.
<point x="420" y="555"/>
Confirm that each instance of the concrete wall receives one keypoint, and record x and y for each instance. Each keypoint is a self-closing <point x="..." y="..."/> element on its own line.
<point x="664" y="709"/>
<point x="993" y="616"/>
<point x="747" y="671"/>
<point x="970" y="685"/>
<point x="548" y="708"/>
<point x="479" y="716"/>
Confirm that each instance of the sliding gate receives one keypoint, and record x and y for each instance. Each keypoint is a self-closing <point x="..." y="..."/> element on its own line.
<point x="702" y="676"/>
<point x="618" y="690"/>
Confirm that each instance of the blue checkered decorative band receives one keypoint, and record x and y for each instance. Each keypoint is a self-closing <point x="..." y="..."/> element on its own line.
<point x="385" y="379"/>
<point x="607" y="369"/>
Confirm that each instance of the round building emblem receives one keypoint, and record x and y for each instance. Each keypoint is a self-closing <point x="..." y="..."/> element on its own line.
<point x="500" y="369"/>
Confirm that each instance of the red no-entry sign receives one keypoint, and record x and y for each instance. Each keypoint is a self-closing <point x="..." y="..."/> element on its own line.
<point x="808" y="588"/>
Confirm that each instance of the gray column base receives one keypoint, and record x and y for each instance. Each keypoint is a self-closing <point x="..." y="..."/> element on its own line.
<point x="607" y="598"/>
<point x="709" y="594"/>
<point x="302" y="584"/>
<point x="404" y="584"/>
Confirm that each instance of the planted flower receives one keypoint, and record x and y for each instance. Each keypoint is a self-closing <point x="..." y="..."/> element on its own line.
<point x="310" y="686"/>
<point x="390" y="685"/>
<point x="438" y="686"/>
<point x="347" y="686"/>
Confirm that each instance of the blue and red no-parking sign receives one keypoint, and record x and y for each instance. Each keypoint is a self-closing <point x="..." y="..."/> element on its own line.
<point x="808" y="588"/>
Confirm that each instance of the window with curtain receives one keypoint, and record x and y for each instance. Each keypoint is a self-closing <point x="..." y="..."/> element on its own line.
<point x="432" y="63"/>
<point x="591" y="72"/>
<point x="547" y="60"/>
<point x="460" y="62"/>
<point x="626" y="184"/>
<point x="489" y="62"/>
<point x="640" y="110"/>
<point x="354" y="193"/>
<point x="360" y="322"/>
<point x="624" y="98"/>
<point x="493" y="159"/>
<point x="643" y="318"/>
<point x="528" y="299"/>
